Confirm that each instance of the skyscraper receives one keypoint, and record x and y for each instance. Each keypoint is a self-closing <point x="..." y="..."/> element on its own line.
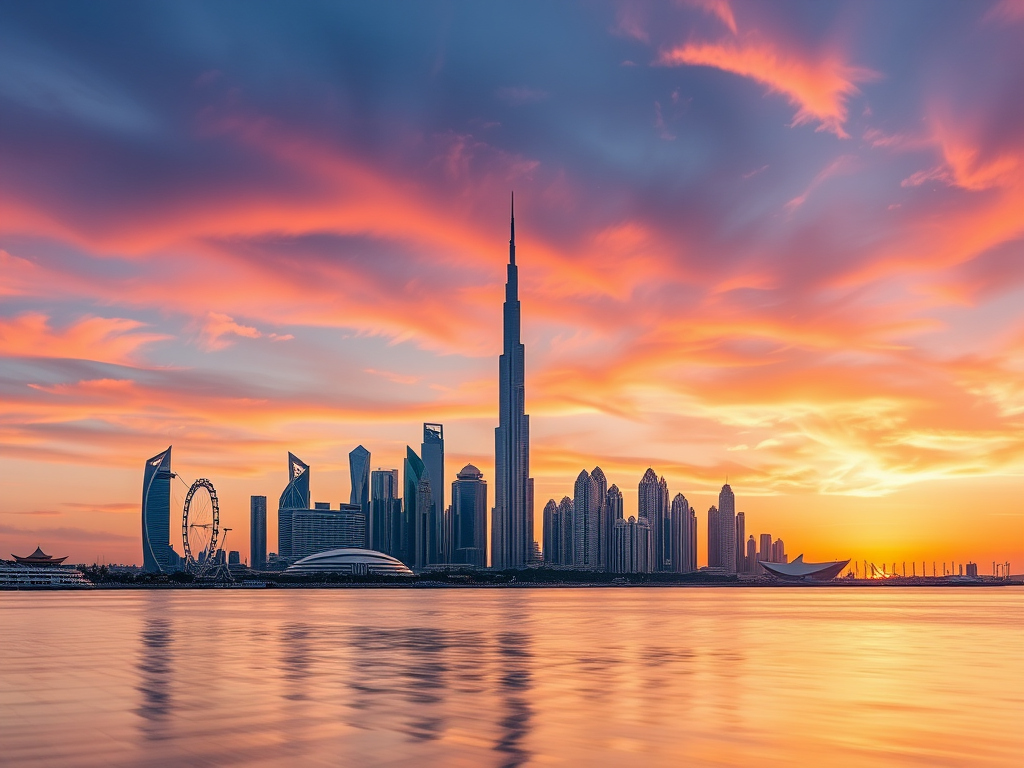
<point x="727" y="528"/>
<point x="604" y="525"/>
<point x="512" y="523"/>
<point x="765" y="554"/>
<point x="779" y="552"/>
<point x="384" y="524"/>
<point x="552" y="533"/>
<point x="741" y="537"/>
<point x="614" y="502"/>
<point x="413" y="528"/>
<point x="257" y="532"/>
<point x="295" y="496"/>
<point x="432" y="451"/>
<point x="359" y="473"/>
<point x="714" y="539"/>
<point x="684" y="531"/>
<point x="586" y="514"/>
<point x="423" y="540"/>
<point x="567" y="526"/>
<point x="469" y="518"/>
<point x="752" y="566"/>
<point x="649" y="494"/>
<point x="157" y="555"/>
<point x="631" y="546"/>
<point x="692" y="561"/>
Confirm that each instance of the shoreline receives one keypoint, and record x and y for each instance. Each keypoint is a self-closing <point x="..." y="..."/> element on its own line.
<point x="876" y="584"/>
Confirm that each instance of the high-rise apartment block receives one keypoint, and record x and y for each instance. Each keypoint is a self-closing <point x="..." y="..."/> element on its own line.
<point x="257" y="532"/>
<point x="683" y="528"/>
<point x="586" y="517"/>
<point x="727" y="529"/>
<point x="632" y="546"/>
<point x="604" y="532"/>
<point x="649" y="509"/>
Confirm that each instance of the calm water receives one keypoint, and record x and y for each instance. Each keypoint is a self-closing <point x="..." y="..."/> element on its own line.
<point x="475" y="677"/>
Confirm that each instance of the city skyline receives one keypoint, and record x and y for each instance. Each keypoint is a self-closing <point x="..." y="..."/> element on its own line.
<point x="802" y="278"/>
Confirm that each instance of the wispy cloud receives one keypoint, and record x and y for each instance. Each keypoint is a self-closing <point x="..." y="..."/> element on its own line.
<point x="819" y="87"/>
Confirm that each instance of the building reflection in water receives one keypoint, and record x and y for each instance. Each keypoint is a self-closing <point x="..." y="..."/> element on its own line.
<point x="443" y="685"/>
<point x="295" y="660"/>
<point x="409" y="664"/>
<point x="515" y="683"/>
<point x="155" y="666"/>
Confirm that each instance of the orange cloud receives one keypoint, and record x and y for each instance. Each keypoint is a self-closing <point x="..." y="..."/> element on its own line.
<point x="108" y="340"/>
<point x="819" y="88"/>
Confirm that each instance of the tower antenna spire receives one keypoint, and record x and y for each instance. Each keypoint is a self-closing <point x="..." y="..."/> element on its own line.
<point x="512" y="239"/>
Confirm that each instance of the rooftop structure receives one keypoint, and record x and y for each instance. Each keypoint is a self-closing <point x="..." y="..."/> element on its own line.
<point x="39" y="558"/>
<point x="352" y="561"/>
<point x="798" y="570"/>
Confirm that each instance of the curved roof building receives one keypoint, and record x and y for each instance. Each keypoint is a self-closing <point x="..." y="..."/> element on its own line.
<point x="352" y="561"/>
<point x="798" y="570"/>
<point x="156" y="513"/>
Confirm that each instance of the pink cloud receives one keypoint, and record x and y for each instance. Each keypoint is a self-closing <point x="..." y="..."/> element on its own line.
<point x="108" y="340"/>
<point x="819" y="87"/>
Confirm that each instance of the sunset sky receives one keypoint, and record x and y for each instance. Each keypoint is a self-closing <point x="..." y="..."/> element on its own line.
<point x="778" y="243"/>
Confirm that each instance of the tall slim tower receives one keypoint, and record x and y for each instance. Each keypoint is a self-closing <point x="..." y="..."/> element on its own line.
<point x="741" y="538"/>
<point x="359" y="471"/>
<point x="727" y="528"/>
<point x="258" y="532"/>
<point x="432" y="451"/>
<point x="156" y="513"/>
<point x="512" y="517"/>
<point x="649" y="502"/>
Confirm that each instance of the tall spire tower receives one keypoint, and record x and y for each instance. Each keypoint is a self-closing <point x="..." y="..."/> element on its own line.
<point x="512" y="517"/>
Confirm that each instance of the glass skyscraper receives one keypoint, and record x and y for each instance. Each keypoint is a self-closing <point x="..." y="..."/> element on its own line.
<point x="257" y="532"/>
<point x="432" y="451"/>
<point x="469" y="518"/>
<point x="157" y="555"/>
<point x="413" y="528"/>
<point x="512" y="517"/>
<point x="359" y="472"/>
<point x="295" y="496"/>
<point x="385" y="522"/>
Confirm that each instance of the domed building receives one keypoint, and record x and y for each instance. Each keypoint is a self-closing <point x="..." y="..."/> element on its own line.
<point x="351" y="561"/>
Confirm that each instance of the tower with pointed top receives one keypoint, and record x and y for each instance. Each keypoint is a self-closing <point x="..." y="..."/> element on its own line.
<point x="512" y="516"/>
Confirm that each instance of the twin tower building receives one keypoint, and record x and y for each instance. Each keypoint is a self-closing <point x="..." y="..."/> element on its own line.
<point x="410" y="520"/>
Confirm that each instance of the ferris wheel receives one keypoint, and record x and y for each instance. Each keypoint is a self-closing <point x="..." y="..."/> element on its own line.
<point x="200" y="526"/>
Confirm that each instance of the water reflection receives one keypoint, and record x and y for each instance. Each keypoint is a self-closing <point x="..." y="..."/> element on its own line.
<point x="155" y="664"/>
<point x="295" y="660"/>
<point x="844" y="678"/>
<point x="514" y="686"/>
